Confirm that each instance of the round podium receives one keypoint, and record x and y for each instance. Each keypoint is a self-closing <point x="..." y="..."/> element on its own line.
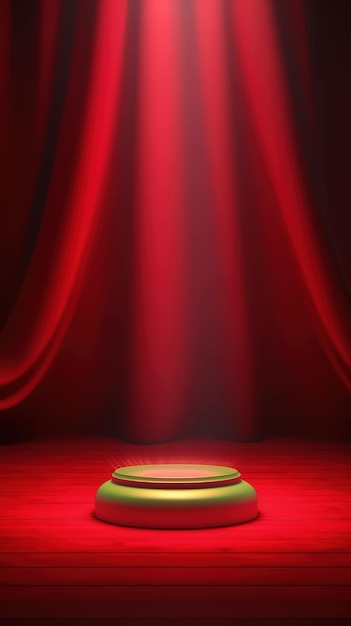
<point x="176" y="496"/>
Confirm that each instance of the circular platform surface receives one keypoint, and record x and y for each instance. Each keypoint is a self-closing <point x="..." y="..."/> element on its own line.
<point x="175" y="476"/>
<point x="176" y="496"/>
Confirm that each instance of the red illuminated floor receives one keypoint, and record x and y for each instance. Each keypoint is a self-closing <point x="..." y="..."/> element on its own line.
<point x="59" y="565"/>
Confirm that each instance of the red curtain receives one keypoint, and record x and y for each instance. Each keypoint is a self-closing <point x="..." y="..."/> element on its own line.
<point x="174" y="249"/>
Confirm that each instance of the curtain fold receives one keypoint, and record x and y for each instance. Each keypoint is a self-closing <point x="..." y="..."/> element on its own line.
<point x="169" y="259"/>
<point x="30" y="341"/>
<point x="268" y="100"/>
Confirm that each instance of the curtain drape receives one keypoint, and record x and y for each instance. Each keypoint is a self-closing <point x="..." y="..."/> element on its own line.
<point x="175" y="252"/>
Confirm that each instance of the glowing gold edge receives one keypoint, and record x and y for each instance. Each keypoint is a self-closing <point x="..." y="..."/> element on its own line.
<point x="215" y="473"/>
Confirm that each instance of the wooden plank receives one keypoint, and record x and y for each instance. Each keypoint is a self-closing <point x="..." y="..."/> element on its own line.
<point x="276" y="504"/>
<point x="261" y="535"/>
<point x="177" y="559"/>
<point x="66" y="542"/>
<point x="262" y="526"/>
<point x="181" y="602"/>
<point x="161" y="576"/>
<point x="170" y="621"/>
<point x="65" y="464"/>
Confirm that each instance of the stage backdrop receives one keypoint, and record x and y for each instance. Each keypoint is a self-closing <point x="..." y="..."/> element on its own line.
<point x="175" y="218"/>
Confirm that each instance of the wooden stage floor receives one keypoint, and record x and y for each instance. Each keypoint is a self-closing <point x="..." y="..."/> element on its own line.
<point x="60" y="565"/>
